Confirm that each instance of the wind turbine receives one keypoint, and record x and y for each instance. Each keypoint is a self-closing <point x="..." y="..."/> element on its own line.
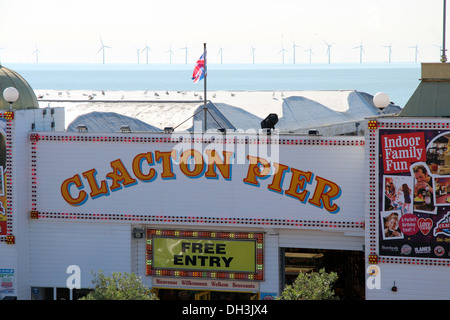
<point x="361" y="51"/>
<point x="102" y="48"/>
<point x="138" y="56"/>
<point x="416" y="52"/>
<point x="186" y="53"/>
<point x="328" y="51"/>
<point x="253" y="53"/>
<point x="221" y="54"/>
<point x="390" y="51"/>
<point x="170" y="52"/>
<point x="310" y="53"/>
<point x="282" y="51"/>
<point x="293" y="49"/>
<point x="146" y="49"/>
<point x="36" y="52"/>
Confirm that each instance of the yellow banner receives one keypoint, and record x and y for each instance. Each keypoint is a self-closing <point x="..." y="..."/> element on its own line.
<point x="204" y="254"/>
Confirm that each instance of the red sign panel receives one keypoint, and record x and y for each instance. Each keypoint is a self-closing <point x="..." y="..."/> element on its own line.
<point x="400" y="150"/>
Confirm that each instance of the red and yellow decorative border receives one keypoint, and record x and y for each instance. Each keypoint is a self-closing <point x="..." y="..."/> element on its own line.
<point x="161" y="138"/>
<point x="124" y="217"/>
<point x="8" y="238"/>
<point x="257" y="237"/>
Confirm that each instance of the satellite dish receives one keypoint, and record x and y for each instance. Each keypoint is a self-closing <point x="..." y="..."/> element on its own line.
<point x="381" y="100"/>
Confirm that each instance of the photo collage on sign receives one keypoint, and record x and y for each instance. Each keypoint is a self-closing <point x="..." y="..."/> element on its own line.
<point x="397" y="202"/>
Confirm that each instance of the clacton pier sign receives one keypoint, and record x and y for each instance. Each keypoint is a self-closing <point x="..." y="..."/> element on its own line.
<point x="142" y="169"/>
<point x="155" y="177"/>
<point x="143" y="177"/>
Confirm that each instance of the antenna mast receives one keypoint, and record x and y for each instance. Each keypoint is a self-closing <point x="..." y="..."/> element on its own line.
<point x="204" y="89"/>
<point x="443" y="57"/>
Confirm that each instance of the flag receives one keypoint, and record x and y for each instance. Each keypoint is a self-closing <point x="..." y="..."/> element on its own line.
<point x="199" y="70"/>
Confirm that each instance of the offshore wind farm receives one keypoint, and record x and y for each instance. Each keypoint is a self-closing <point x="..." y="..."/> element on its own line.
<point x="294" y="54"/>
<point x="70" y="32"/>
<point x="296" y="45"/>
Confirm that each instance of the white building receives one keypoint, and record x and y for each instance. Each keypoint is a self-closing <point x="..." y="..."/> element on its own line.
<point x="213" y="215"/>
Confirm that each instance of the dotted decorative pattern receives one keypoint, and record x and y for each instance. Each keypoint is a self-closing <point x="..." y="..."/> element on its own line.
<point x="414" y="261"/>
<point x="258" y="275"/>
<point x="162" y="138"/>
<point x="202" y="220"/>
<point x="371" y="231"/>
<point x="413" y="125"/>
<point x="9" y="117"/>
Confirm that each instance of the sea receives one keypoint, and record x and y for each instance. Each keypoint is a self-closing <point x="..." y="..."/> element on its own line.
<point x="398" y="80"/>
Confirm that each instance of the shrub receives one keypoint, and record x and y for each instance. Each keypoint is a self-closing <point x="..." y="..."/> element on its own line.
<point x="119" y="286"/>
<point x="311" y="286"/>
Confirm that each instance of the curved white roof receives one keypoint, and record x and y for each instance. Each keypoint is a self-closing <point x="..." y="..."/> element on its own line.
<point x="296" y="110"/>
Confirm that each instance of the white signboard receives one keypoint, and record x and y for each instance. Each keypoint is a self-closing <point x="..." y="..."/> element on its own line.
<point x="276" y="179"/>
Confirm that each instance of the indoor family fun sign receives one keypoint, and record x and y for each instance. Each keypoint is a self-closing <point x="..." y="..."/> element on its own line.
<point x="414" y="175"/>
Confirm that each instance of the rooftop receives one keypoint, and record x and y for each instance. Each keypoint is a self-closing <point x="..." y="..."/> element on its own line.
<point x="27" y="98"/>
<point x="298" y="111"/>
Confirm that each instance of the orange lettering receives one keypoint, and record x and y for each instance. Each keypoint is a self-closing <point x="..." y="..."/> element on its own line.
<point x="297" y="185"/>
<point x="95" y="190"/>
<point x="278" y="177"/>
<point x="119" y="174"/>
<point x="254" y="171"/>
<point x="326" y="191"/>
<point x="65" y="191"/>
<point x="199" y="165"/>
<point x="215" y="161"/>
<point x="166" y="158"/>
<point x="137" y="167"/>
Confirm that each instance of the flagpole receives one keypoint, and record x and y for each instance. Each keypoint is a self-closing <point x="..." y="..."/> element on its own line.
<point x="204" y="89"/>
<point x="444" y="56"/>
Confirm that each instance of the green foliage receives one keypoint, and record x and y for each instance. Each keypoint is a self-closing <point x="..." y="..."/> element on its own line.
<point x="120" y="286"/>
<point x="311" y="286"/>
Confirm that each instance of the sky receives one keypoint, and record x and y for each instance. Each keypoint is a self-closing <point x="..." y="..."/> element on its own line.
<point x="69" y="31"/>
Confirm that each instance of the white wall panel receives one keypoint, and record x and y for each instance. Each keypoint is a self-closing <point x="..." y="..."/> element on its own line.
<point x="413" y="282"/>
<point x="271" y="265"/>
<point x="92" y="246"/>
<point x="139" y="254"/>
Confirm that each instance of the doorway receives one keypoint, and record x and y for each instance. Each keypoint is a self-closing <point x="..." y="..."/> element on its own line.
<point x="349" y="266"/>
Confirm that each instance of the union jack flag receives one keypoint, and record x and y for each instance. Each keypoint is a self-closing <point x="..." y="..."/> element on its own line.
<point x="199" y="70"/>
